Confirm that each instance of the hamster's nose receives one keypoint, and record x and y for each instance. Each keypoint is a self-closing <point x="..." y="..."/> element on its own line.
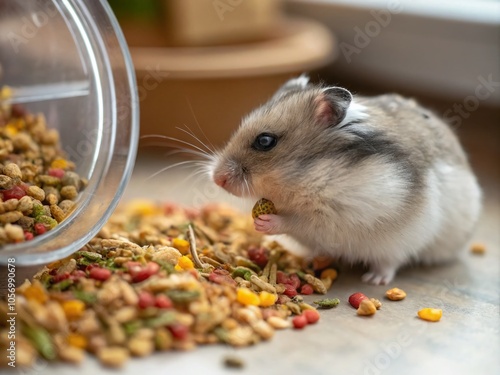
<point x="220" y="179"/>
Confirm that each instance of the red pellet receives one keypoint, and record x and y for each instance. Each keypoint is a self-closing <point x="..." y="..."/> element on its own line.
<point x="299" y="322"/>
<point x="163" y="302"/>
<point x="258" y="255"/>
<point x="16" y="192"/>
<point x="220" y="276"/>
<point x="306" y="289"/>
<point x="40" y="228"/>
<point x="101" y="274"/>
<point x="77" y="274"/>
<point x="141" y="273"/>
<point x="146" y="299"/>
<point x="179" y="331"/>
<point x="356" y="298"/>
<point x="56" y="172"/>
<point x="312" y="316"/>
<point x="60" y="277"/>
<point x="28" y="236"/>
<point x="290" y="291"/>
<point x="282" y="278"/>
<point x="294" y="280"/>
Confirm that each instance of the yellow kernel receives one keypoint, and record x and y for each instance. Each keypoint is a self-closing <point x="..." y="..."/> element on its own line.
<point x="430" y="314"/>
<point x="266" y="299"/>
<point x="142" y="207"/>
<point x="11" y="129"/>
<point x="478" y="248"/>
<point x="329" y="273"/>
<point x="185" y="263"/>
<point x="59" y="163"/>
<point x="181" y="245"/>
<point x="246" y="297"/>
<point x="73" y="309"/>
<point x="77" y="340"/>
<point x="6" y="92"/>
<point x="36" y="292"/>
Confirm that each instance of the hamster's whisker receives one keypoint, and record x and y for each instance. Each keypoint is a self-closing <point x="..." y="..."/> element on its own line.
<point x="188" y="151"/>
<point x="197" y="173"/>
<point x="167" y="138"/>
<point x="247" y="186"/>
<point x="169" y="167"/>
<point x="191" y="134"/>
<point x="198" y="124"/>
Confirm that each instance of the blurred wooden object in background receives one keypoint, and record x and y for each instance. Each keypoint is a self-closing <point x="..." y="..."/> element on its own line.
<point x="214" y="22"/>
<point x="205" y="64"/>
<point x="214" y="87"/>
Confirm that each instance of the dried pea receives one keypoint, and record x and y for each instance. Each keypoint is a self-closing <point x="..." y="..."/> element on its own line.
<point x="327" y="303"/>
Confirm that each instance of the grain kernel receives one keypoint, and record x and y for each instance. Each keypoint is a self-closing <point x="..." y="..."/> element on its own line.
<point x="366" y="307"/>
<point x="69" y="192"/>
<point x="478" y="248"/>
<point x="181" y="245"/>
<point x="246" y="297"/>
<point x="14" y="232"/>
<point x="6" y="182"/>
<point x="266" y="299"/>
<point x="430" y="314"/>
<point x="377" y="303"/>
<point x="395" y="294"/>
<point x="57" y="213"/>
<point x="12" y="170"/>
<point x="36" y="192"/>
<point x="278" y="323"/>
<point x="73" y="309"/>
<point x="113" y="356"/>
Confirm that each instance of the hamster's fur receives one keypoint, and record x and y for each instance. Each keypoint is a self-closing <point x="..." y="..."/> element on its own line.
<point x="377" y="180"/>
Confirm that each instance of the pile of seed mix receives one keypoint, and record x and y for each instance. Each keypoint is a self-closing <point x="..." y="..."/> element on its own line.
<point x="38" y="185"/>
<point x="159" y="277"/>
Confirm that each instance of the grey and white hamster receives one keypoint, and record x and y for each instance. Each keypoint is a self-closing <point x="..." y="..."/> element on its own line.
<point x="373" y="180"/>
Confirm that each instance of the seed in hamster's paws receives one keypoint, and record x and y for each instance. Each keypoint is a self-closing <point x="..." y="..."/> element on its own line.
<point x="263" y="207"/>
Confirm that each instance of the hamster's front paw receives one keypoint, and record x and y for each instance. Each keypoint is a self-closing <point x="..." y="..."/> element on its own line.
<point x="269" y="224"/>
<point x="380" y="275"/>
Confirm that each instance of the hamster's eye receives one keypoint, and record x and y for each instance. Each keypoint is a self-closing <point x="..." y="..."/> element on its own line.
<point x="265" y="142"/>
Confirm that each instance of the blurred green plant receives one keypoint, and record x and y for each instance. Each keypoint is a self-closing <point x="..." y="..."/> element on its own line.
<point x="138" y="9"/>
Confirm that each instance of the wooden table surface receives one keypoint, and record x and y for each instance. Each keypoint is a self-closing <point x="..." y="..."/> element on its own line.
<point x="394" y="341"/>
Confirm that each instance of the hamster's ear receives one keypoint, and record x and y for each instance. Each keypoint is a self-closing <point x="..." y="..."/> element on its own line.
<point x="295" y="84"/>
<point x="331" y="105"/>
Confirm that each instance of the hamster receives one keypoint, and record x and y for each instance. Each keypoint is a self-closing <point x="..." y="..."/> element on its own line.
<point x="374" y="180"/>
